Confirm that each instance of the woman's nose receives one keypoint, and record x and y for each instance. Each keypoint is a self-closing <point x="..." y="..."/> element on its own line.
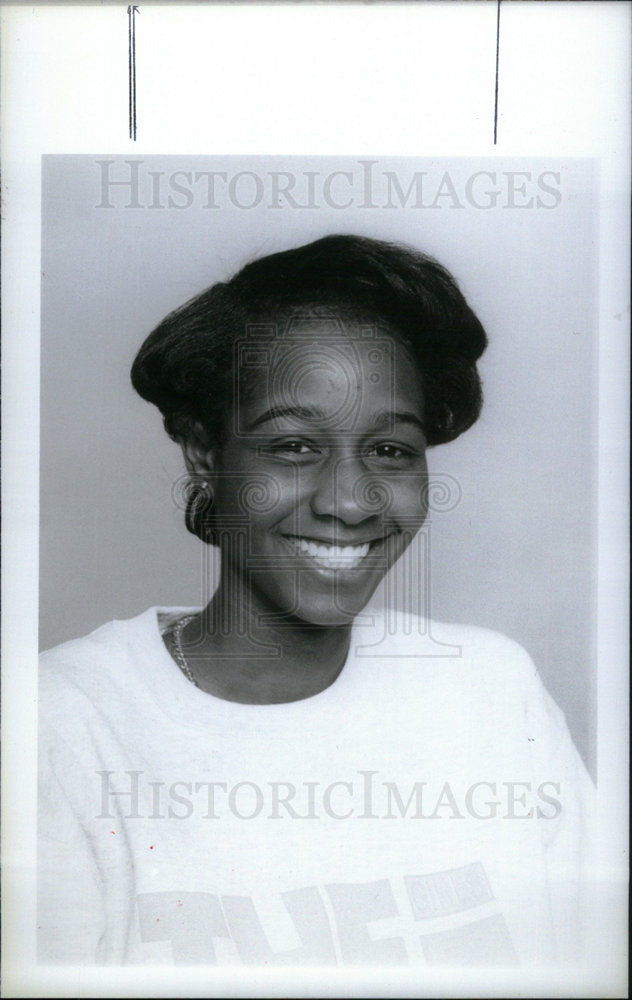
<point x="344" y="490"/>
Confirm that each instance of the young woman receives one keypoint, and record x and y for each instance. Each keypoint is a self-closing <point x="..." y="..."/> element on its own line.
<point x="280" y="777"/>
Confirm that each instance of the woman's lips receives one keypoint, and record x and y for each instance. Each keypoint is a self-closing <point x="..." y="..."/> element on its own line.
<point x="328" y="556"/>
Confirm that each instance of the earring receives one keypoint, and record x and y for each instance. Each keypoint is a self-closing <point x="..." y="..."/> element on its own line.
<point x="200" y="502"/>
<point x="202" y="494"/>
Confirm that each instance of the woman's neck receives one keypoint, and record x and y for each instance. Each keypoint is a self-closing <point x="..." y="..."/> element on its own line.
<point x="237" y="654"/>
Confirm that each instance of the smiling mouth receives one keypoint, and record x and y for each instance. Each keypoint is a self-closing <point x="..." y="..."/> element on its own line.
<point x="332" y="556"/>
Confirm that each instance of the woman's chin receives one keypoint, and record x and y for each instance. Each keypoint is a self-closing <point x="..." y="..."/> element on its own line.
<point x="325" y="598"/>
<point x="330" y="610"/>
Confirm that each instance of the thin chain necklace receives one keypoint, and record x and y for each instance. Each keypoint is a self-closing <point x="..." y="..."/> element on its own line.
<point x="181" y="660"/>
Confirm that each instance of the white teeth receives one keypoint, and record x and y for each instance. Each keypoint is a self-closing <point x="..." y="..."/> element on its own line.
<point x="332" y="556"/>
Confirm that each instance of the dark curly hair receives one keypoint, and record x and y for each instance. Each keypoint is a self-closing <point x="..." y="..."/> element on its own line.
<point x="185" y="366"/>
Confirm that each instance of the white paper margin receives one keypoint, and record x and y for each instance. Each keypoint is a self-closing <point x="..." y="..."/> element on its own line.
<point x="229" y="78"/>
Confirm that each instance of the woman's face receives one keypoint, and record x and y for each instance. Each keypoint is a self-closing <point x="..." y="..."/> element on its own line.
<point x="321" y="481"/>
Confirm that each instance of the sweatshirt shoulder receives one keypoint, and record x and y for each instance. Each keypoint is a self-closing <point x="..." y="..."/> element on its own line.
<point x="502" y="668"/>
<point x="82" y="667"/>
<point x="402" y="634"/>
<point x="486" y="646"/>
<point x="76" y="654"/>
<point x="73" y="649"/>
<point x="106" y="637"/>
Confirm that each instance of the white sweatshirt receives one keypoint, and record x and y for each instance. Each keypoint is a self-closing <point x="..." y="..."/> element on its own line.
<point x="427" y="808"/>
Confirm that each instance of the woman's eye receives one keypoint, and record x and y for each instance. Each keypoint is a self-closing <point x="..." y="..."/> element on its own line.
<point x="299" y="448"/>
<point x="293" y="448"/>
<point x="392" y="451"/>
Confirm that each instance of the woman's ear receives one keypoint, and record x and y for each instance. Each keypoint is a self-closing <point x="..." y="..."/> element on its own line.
<point x="198" y="452"/>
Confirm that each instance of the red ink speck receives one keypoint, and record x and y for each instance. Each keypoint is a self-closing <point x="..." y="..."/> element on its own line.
<point x="113" y="831"/>
<point x="151" y="847"/>
<point x="179" y="902"/>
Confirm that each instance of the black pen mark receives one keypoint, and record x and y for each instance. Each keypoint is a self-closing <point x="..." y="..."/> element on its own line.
<point x="496" y="81"/>
<point x="131" y="51"/>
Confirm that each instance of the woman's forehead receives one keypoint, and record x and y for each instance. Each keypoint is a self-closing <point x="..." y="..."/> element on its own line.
<point x="338" y="374"/>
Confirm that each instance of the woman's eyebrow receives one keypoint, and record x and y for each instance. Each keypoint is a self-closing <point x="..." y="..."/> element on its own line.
<point x="386" y="418"/>
<point x="276" y="412"/>
<point x="383" y="420"/>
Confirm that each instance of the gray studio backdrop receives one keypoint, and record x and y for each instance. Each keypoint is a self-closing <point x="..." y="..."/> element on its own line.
<point x="126" y="239"/>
